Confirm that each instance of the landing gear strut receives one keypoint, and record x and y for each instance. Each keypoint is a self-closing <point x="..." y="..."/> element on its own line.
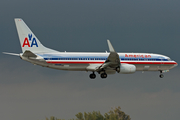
<point x="161" y="75"/>
<point x="92" y="76"/>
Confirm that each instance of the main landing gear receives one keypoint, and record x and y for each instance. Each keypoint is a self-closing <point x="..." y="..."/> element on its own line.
<point x="93" y="75"/>
<point x="103" y="75"/>
<point x="161" y="75"/>
<point x="118" y="69"/>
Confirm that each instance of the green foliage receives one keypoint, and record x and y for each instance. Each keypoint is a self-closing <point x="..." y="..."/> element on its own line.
<point x="79" y="116"/>
<point x="113" y="114"/>
<point x="116" y="114"/>
<point x="92" y="116"/>
<point x="53" y="118"/>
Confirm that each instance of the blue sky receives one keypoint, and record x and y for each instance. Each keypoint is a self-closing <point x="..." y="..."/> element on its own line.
<point x="33" y="92"/>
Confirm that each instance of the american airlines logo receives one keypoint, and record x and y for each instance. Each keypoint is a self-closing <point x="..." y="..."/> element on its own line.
<point x="138" y="56"/>
<point x="30" y="41"/>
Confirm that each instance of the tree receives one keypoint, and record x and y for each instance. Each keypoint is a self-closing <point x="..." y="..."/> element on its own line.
<point x="116" y="114"/>
<point x="113" y="114"/>
<point x="80" y="116"/>
<point x="53" y="118"/>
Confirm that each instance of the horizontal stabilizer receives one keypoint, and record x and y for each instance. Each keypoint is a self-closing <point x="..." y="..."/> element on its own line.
<point x="11" y="53"/>
<point x="28" y="53"/>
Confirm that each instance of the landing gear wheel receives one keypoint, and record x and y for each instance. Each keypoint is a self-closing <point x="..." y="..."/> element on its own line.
<point x="103" y="75"/>
<point x="92" y="76"/>
<point x="118" y="69"/>
<point x="161" y="75"/>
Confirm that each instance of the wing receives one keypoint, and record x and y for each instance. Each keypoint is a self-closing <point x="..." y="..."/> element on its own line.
<point x="113" y="61"/>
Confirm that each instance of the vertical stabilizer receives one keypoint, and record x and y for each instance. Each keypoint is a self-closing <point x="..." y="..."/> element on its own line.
<point x="28" y="40"/>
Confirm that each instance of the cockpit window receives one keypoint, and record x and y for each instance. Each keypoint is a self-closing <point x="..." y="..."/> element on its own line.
<point x="169" y="59"/>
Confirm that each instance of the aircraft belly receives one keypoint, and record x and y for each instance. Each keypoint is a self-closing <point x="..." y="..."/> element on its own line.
<point x="73" y="67"/>
<point x="152" y="67"/>
<point x="82" y="67"/>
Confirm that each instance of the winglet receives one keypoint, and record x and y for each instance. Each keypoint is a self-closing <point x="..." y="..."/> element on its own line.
<point x="111" y="49"/>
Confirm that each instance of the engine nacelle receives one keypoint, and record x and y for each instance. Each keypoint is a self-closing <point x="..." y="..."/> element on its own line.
<point x="127" y="68"/>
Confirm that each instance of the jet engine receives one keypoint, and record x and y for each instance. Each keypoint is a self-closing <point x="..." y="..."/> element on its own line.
<point x="127" y="68"/>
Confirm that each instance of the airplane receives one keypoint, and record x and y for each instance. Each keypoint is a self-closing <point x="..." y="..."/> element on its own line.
<point x="102" y="63"/>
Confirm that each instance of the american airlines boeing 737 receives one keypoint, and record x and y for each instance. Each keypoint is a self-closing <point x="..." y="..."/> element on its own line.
<point x="102" y="63"/>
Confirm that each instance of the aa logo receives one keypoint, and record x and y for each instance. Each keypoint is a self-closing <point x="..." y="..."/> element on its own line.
<point x="30" y="42"/>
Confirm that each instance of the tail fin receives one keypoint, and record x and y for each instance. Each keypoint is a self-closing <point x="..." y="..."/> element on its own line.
<point x="28" y="40"/>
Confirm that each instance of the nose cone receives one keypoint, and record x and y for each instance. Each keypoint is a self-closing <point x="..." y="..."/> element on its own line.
<point x="175" y="64"/>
